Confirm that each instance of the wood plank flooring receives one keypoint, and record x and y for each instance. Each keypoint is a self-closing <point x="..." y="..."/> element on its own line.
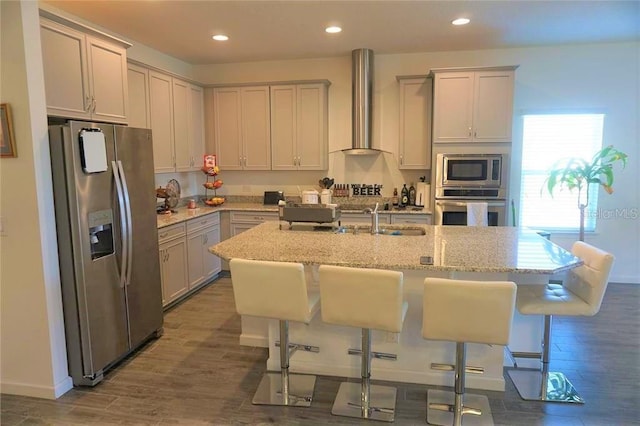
<point x="198" y="374"/>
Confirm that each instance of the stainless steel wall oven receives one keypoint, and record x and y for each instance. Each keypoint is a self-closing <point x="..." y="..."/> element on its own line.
<point x="454" y="212"/>
<point x="465" y="178"/>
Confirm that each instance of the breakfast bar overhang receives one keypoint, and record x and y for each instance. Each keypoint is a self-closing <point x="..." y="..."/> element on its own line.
<point x="476" y="253"/>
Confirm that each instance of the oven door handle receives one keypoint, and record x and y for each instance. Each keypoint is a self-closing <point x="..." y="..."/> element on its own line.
<point x="464" y="203"/>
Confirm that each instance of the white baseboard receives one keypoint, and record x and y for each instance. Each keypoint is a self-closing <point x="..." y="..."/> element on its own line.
<point x="38" y="391"/>
<point x="254" y="340"/>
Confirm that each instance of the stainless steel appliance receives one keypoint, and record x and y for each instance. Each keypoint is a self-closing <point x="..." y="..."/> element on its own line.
<point x="471" y="176"/>
<point x="105" y="208"/>
<point x="464" y="178"/>
<point x="454" y="212"/>
<point x="273" y="197"/>
<point x="317" y="213"/>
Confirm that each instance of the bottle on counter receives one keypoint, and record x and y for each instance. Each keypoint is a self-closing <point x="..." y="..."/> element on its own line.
<point x="394" y="200"/>
<point x="412" y="195"/>
<point x="404" y="195"/>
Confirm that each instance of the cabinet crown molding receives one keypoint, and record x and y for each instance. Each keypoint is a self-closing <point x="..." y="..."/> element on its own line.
<point x="82" y="28"/>
<point x="270" y="83"/>
<point x="399" y="78"/>
<point x="471" y="69"/>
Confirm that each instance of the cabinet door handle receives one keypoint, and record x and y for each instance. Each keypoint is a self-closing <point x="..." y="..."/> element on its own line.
<point x="87" y="104"/>
<point x="164" y="235"/>
<point x="206" y="239"/>
<point x="469" y="131"/>
<point x="475" y="134"/>
<point x="401" y="160"/>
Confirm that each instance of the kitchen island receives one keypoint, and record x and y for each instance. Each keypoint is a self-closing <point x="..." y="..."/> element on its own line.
<point x="481" y="253"/>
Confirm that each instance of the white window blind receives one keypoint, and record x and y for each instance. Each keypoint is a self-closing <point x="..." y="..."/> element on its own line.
<point x="548" y="138"/>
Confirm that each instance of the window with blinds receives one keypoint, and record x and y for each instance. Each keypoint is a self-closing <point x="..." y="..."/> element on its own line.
<point x="548" y="138"/>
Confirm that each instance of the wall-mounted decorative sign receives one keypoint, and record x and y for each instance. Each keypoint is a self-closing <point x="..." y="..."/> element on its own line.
<point x="361" y="189"/>
<point x="7" y="140"/>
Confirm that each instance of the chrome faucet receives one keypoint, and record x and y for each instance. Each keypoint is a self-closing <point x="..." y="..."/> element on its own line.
<point x="374" y="219"/>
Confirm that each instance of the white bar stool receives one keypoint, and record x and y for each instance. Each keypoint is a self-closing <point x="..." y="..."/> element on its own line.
<point x="580" y="295"/>
<point x="465" y="312"/>
<point x="277" y="290"/>
<point x="369" y="299"/>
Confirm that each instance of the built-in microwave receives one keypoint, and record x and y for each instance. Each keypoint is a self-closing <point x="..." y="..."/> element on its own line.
<point x="470" y="176"/>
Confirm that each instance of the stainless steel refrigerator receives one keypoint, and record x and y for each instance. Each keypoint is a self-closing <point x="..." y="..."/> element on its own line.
<point x="105" y="202"/>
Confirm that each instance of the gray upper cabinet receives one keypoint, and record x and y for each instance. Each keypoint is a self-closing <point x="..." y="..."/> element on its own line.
<point x="473" y="105"/>
<point x="414" y="148"/>
<point x="85" y="75"/>
<point x="242" y="127"/>
<point x="299" y="127"/>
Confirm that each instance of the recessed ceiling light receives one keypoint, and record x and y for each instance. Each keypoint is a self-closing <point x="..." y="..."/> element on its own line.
<point x="333" y="29"/>
<point x="460" y="21"/>
<point x="220" y="37"/>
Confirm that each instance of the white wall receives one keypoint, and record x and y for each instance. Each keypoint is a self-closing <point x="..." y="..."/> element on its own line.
<point x="33" y="353"/>
<point x="575" y="76"/>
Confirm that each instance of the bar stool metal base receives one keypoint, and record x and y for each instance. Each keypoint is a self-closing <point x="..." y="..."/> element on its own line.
<point x="298" y="393"/>
<point x="382" y="402"/>
<point x="536" y="385"/>
<point x="441" y="407"/>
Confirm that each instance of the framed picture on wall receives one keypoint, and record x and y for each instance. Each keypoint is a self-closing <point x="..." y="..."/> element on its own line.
<point x="7" y="140"/>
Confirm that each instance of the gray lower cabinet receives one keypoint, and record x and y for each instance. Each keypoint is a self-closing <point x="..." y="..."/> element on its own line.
<point x="173" y="262"/>
<point x="185" y="260"/>
<point x="363" y="218"/>
<point x="386" y="218"/>
<point x="420" y="219"/>
<point x="244" y="220"/>
<point x="202" y="233"/>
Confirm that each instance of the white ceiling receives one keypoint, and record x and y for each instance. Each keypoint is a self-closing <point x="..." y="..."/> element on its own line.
<point x="275" y="30"/>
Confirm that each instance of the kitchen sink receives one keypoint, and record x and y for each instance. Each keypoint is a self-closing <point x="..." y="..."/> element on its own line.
<point x="365" y="229"/>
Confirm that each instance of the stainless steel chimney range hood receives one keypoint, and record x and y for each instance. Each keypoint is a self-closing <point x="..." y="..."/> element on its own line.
<point x="362" y="103"/>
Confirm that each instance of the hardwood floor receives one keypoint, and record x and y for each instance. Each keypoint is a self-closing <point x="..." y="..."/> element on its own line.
<point x="197" y="374"/>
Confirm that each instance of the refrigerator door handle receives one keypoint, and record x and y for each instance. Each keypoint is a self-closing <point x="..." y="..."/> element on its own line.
<point x="129" y="240"/>
<point x="124" y="229"/>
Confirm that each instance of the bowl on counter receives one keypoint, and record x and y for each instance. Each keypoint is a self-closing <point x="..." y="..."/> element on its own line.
<point x="214" y="201"/>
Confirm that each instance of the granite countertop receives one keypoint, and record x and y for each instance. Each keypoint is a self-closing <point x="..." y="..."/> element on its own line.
<point x="453" y="248"/>
<point x="183" y="214"/>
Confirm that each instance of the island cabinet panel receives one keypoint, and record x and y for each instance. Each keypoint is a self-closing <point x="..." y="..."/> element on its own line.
<point x="173" y="262"/>
<point x="299" y="127"/>
<point x="416" y="97"/>
<point x="473" y="106"/>
<point x="85" y="76"/>
<point x="242" y="127"/>
<point x="202" y="233"/>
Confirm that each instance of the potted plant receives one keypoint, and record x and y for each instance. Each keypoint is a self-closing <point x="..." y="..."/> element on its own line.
<point x="577" y="173"/>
